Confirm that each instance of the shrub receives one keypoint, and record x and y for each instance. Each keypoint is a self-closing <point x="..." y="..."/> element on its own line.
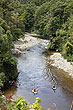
<point x="21" y="104"/>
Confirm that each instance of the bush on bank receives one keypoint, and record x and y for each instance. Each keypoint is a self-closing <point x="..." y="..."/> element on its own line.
<point x="21" y="104"/>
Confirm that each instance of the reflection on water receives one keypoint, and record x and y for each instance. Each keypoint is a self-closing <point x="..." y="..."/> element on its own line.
<point x="35" y="72"/>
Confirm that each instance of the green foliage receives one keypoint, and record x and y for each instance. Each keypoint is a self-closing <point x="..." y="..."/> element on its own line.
<point x="38" y="2"/>
<point x="68" y="57"/>
<point x="54" y="19"/>
<point x="21" y="104"/>
<point x="2" y="78"/>
<point x="1" y="99"/>
<point x="41" y="17"/>
<point x="36" y="106"/>
<point x="1" y="83"/>
<point x="68" y="50"/>
<point x="12" y="26"/>
<point x="10" y="67"/>
<point x="1" y="31"/>
<point x="10" y="20"/>
<point x="29" y="16"/>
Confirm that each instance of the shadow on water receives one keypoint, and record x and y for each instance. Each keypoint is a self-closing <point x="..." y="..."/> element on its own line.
<point x="35" y="72"/>
<point x="63" y="79"/>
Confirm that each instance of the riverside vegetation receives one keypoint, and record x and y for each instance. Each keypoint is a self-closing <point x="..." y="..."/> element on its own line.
<point x="51" y="18"/>
<point x="21" y="104"/>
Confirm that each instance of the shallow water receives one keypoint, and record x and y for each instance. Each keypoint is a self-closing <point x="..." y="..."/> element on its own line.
<point x="35" y="72"/>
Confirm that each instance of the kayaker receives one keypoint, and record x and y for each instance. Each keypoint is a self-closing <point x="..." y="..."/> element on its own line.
<point x="54" y="87"/>
<point x="34" y="91"/>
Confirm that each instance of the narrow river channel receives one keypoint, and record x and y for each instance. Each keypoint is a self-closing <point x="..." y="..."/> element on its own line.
<point x="36" y="72"/>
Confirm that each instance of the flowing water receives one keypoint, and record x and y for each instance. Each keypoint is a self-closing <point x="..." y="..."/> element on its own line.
<point x="36" y="72"/>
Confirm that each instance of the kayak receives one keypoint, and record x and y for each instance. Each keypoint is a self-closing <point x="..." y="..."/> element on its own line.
<point x="54" y="87"/>
<point x="34" y="91"/>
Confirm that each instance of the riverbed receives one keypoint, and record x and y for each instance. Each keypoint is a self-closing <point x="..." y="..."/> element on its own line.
<point x="36" y="72"/>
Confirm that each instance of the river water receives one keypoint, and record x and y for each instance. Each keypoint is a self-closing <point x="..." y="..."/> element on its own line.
<point x="36" y="72"/>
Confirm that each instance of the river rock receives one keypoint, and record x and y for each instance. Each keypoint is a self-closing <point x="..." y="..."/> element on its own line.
<point x="61" y="63"/>
<point x="16" y="52"/>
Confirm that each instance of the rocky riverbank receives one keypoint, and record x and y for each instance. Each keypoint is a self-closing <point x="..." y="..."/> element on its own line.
<point x="26" y="43"/>
<point x="58" y="61"/>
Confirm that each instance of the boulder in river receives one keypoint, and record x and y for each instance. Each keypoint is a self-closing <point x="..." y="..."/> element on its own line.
<point x="16" y="52"/>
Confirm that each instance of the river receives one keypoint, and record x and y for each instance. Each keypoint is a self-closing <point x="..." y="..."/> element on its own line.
<point x="36" y="72"/>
